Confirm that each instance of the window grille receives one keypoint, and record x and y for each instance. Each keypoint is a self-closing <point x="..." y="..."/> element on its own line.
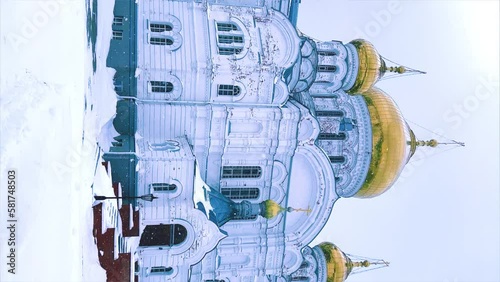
<point x="227" y="27"/>
<point x="332" y="136"/>
<point x="163" y="187"/>
<point x="337" y="159"/>
<point x="117" y="34"/>
<point x="325" y="68"/>
<point x="327" y="53"/>
<point x="229" y="50"/>
<point x="160" y="27"/>
<point x="160" y="41"/>
<point x="241" y="171"/>
<point x="161" y="270"/>
<point x="329" y="113"/>
<point x="241" y="193"/>
<point x="228" y="90"/>
<point x="161" y="86"/>
<point x="118" y="20"/>
<point x="229" y="39"/>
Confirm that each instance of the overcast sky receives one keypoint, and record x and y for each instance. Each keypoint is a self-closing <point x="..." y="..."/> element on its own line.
<point x="440" y="222"/>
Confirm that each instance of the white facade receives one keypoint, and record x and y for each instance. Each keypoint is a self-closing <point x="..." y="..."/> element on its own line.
<point x="229" y="91"/>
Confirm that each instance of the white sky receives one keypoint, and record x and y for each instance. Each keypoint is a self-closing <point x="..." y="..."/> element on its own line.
<point x="440" y="222"/>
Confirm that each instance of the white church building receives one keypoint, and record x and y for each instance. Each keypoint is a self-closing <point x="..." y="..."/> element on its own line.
<point x="247" y="132"/>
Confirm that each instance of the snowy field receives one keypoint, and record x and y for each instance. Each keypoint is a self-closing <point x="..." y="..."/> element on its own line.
<point x="55" y="113"/>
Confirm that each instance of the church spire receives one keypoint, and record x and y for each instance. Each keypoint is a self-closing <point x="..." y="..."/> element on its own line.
<point x="393" y="69"/>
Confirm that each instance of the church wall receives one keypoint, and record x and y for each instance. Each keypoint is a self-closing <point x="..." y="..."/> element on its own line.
<point x="184" y="62"/>
<point x="257" y="127"/>
<point x="192" y="63"/>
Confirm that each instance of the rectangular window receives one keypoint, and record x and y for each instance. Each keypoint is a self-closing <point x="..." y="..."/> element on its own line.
<point x="329" y="113"/>
<point x="118" y="20"/>
<point x="230" y="39"/>
<point x="160" y="27"/>
<point x="325" y="68"/>
<point x="337" y="159"/>
<point x="163" y="187"/>
<point x="241" y="193"/>
<point x="160" y="269"/>
<point x="161" y="86"/>
<point x="230" y="50"/>
<point x="327" y="53"/>
<point x="331" y="136"/>
<point x="117" y="34"/>
<point x="160" y="41"/>
<point x="241" y="171"/>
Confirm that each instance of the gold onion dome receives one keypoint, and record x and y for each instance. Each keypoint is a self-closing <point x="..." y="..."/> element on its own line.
<point x="338" y="264"/>
<point x="271" y="209"/>
<point x="371" y="66"/>
<point x="393" y="144"/>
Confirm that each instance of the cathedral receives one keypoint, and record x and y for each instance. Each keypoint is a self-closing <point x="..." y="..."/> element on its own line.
<point x="237" y="135"/>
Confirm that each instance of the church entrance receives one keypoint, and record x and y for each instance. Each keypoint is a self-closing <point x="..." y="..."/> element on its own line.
<point x="163" y="235"/>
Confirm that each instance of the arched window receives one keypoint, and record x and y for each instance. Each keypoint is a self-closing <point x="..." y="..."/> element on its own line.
<point x="165" y="33"/>
<point x="332" y="136"/>
<point x="164" y="40"/>
<point x="157" y="38"/>
<point x="161" y="270"/>
<point x="325" y="68"/>
<point x="337" y="159"/>
<point x="161" y="86"/>
<point x="329" y="113"/>
<point x="228" y="90"/>
<point x="226" y="27"/>
<point x="163" y="235"/>
<point x="241" y="193"/>
<point x="230" y="38"/>
<point x="241" y="171"/>
<point x="160" y="27"/>
<point x="163" y="187"/>
<point x="327" y="53"/>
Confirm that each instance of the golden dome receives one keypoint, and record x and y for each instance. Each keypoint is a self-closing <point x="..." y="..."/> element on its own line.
<point x="271" y="209"/>
<point x="371" y="66"/>
<point x="391" y="137"/>
<point x="338" y="264"/>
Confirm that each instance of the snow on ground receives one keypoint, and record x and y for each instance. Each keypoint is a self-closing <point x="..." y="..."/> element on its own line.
<point x="52" y="112"/>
